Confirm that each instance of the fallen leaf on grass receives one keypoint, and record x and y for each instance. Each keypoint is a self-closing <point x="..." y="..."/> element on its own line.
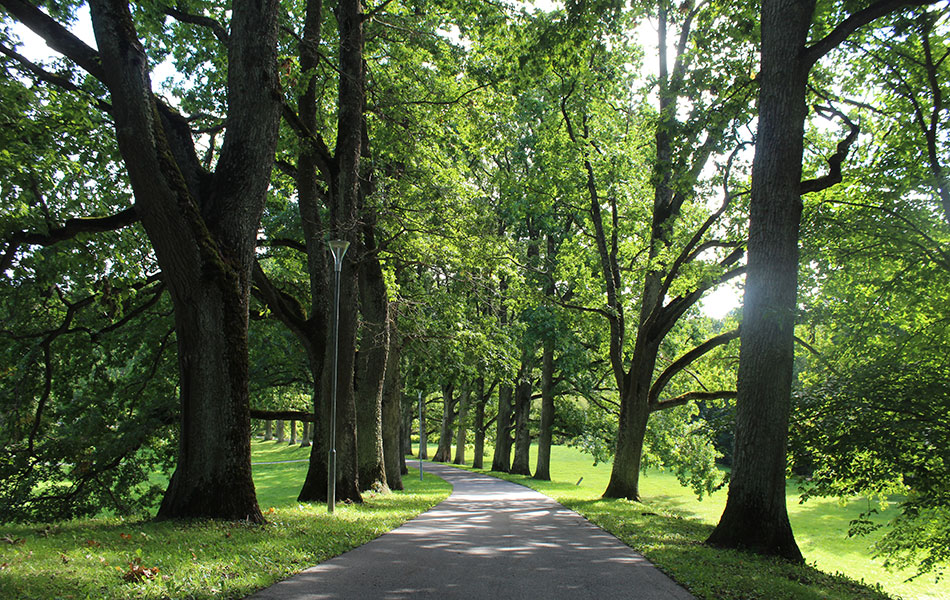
<point x="64" y="558"/>
<point x="137" y="572"/>
<point x="125" y="536"/>
<point x="93" y="543"/>
<point x="12" y="540"/>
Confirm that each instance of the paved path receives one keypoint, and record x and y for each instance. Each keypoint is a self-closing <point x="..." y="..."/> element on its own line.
<point x="490" y="539"/>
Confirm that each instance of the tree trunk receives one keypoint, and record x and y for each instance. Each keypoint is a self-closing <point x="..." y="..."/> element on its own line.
<point x="393" y="456"/>
<point x="213" y="474"/>
<point x="305" y="439"/>
<point x="405" y="431"/>
<point x="756" y="516"/>
<point x="292" y="433"/>
<point x="203" y="228"/>
<point x="462" y="432"/>
<point x="374" y="349"/>
<point x="543" y="469"/>
<point x="268" y="430"/>
<point x="280" y="431"/>
<point x="501" y="459"/>
<point x="520" y="464"/>
<point x="423" y="431"/>
<point x="344" y="184"/>
<point x="631" y="430"/>
<point x="444" y="451"/>
<point x="478" y="461"/>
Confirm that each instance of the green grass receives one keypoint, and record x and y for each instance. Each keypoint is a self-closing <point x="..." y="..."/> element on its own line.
<point x="672" y="538"/>
<point x="93" y="558"/>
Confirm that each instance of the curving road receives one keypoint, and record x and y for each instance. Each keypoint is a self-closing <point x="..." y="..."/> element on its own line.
<point x="490" y="540"/>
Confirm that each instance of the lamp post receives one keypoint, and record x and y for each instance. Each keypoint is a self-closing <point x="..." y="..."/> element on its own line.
<point x="338" y="248"/>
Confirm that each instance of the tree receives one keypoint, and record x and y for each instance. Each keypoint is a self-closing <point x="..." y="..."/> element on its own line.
<point x="755" y="516"/>
<point x="202" y="226"/>
<point x="872" y="394"/>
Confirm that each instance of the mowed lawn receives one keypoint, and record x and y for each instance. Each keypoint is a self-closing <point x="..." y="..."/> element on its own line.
<point x="820" y="525"/>
<point x="115" y="558"/>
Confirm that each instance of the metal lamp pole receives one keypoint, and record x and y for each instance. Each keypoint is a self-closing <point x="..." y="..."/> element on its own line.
<point x="338" y="248"/>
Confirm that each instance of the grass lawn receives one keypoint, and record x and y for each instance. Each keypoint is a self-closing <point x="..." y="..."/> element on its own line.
<point x="114" y="558"/>
<point x="670" y="524"/>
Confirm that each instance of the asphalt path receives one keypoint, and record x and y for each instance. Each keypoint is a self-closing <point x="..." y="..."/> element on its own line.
<point x="490" y="540"/>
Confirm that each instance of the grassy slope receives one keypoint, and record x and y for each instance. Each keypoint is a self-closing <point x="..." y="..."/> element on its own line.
<point x="202" y="559"/>
<point x="670" y="537"/>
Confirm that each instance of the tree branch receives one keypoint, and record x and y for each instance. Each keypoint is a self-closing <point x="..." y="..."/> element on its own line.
<point x="283" y="415"/>
<point x="685" y="360"/>
<point x="839" y="34"/>
<point x="833" y="177"/>
<point x="52" y="78"/>
<point x="56" y="36"/>
<point x="216" y="28"/>
<point x="70" y="229"/>
<point x="688" y="396"/>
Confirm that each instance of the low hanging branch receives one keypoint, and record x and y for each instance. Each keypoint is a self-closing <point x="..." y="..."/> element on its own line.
<point x="689" y="397"/>
<point x="70" y="229"/>
<point x="283" y="415"/>
<point x="681" y="363"/>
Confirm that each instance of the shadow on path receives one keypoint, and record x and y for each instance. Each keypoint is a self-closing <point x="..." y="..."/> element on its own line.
<point x="491" y="539"/>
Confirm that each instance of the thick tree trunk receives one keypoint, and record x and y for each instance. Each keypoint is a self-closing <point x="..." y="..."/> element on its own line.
<point x="405" y="430"/>
<point x="632" y="426"/>
<point x="756" y="516"/>
<point x="292" y="437"/>
<point x="461" y="433"/>
<point x="443" y="452"/>
<point x="213" y="475"/>
<point x="393" y="455"/>
<point x="305" y="439"/>
<point x="280" y="431"/>
<point x="374" y="349"/>
<point x="478" y="460"/>
<point x="520" y="464"/>
<point x="344" y="185"/>
<point x="423" y="433"/>
<point x="501" y="459"/>
<point x="203" y="229"/>
<point x="268" y="430"/>
<point x="543" y="469"/>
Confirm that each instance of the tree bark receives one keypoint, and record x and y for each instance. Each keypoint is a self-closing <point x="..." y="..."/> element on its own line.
<point x="520" y="464"/>
<point x="462" y="432"/>
<point x="342" y="175"/>
<point x="542" y="470"/>
<point x="443" y="452"/>
<point x="371" y="371"/>
<point x="292" y="437"/>
<point x="305" y="439"/>
<point x="393" y="455"/>
<point x="203" y="228"/>
<point x="755" y="516"/>
<point x="478" y="460"/>
<point x="280" y="431"/>
<point x="501" y="459"/>
<point x="268" y="430"/>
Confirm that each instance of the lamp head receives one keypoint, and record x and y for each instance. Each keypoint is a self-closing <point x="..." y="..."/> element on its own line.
<point x="338" y="249"/>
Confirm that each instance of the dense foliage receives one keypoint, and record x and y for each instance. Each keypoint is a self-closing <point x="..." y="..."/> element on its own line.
<point x="547" y="195"/>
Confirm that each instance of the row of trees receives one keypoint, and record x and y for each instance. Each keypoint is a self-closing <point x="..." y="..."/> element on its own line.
<point x="537" y="204"/>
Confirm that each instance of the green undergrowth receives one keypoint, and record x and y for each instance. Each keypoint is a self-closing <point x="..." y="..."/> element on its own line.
<point x="670" y="525"/>
<point x="114" y="558"/>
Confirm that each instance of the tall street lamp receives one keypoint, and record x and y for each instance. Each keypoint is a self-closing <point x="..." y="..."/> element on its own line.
<point x="338" y="248"/>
